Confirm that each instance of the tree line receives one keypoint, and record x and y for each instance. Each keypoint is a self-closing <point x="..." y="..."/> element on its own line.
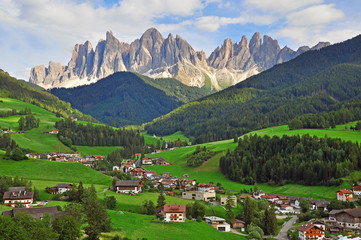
<point x="28" y="122"/>
<point x="14" y="112"/>
<point x="13" y="151"/>
<point x="75" y="133"/>
<point x="291" y="159"/>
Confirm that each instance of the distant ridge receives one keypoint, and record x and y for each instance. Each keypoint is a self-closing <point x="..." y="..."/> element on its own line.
<point x="156" y="56"/>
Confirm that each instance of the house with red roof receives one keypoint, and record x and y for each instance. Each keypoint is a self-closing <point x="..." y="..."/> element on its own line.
<point x="357" y="189"/>
<point x="172" y="213"/>
<point x="345" y="195"/>
<point x="310" y="231"/>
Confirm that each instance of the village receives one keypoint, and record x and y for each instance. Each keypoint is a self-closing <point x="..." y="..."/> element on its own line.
<point x="337" y="221"/>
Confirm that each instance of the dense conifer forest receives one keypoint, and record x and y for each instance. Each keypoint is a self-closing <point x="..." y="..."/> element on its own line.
<point x="291" y="159"/>
<point x="71" y="132"/>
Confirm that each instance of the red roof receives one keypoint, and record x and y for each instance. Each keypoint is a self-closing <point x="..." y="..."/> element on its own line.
<point x="174" y="209"/>
<point x="345" y="191"/>
<point x="149" y="171"/>
<point x="307" y="226"/>
<point x="205" y="185"/>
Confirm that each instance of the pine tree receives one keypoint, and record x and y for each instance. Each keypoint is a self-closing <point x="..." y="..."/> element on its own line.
<point x="161" y="200"/>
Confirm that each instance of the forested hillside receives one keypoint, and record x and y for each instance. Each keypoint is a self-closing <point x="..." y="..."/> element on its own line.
<point x="314" y="82"/>
<point x="13" y="88"/>
<point x="126" y="98"/>
<point x="291" y="159"/>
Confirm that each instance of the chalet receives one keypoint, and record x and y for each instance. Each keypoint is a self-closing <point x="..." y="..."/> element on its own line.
<point x="233" y="200"/>
<point x="18" y="195"/>
<point x="204" y="196"/>
<point x="128" y="186"/>
<point x="99" y="157"/>
<point x="318" y="223"/>
<point x="137" y="172"/>
<point x="147" y="161"/>
<point x="357" y="189"/>
<point x="172" y="213"/>
<point x="37" y="213"/>
<point x="270" y="198"/>
<point x="54" y="131"/>
<point x="7" y="130"/>
<point x="284" y="208"/>
<point x="33" y="155"/>
<point x="203" y="187"/>
<point x="347" y="219"/>
<point x="258" y="194"/>
<point x="184" y="183"/>
<point x="160" y="161"/>
<point x="61" y="188"/>
<point x="218" y="223"/>
<point x="310" y="231"/>
<point x="73" y="118"/>
<point x="319" y="204"/>
<point x="238" y="224"/>
<point x="88" y="164"/>
<point x="243" y="196"/>
<point x="345" y="195"/>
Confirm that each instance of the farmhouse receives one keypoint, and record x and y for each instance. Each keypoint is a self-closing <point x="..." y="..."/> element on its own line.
<point x="218" y="223"/>
<point x="204" y="196"/>
<point x="204" y="187"/>
<point x="17" y="195"/>
<point x="357" y="189"/>
<point x="347" y="219"/>
<point x="310" y="231"/>
<point x="147" y="161"/>
<point x="233" y="200"/>
<point x="173" y="213"/>
<point x="127" y="186"/>
<point x="238" y="224"/>
<point x="345" y="195"/>
<point x="38" y="213"/>
<point x="61" y="188"/>
<point x="54" y="131"/>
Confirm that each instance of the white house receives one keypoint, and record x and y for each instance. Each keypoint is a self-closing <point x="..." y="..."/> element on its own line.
<point x="218" y="223"/>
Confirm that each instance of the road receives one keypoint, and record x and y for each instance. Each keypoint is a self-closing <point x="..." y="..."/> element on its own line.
<point x="286" y="226"/>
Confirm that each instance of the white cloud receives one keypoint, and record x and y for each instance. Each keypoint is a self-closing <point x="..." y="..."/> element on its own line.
<point x="282" y="6"/>
<point x="213" y="23"/>
<point x="315" y="15"/>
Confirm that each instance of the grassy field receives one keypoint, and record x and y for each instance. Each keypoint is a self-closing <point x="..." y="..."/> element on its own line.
<point x="339" y="132"/>
<point x="33" y="139"/>
<point x="45" y="170"/>
<point x="136" y="226"/>
<point x="149" y="139"/>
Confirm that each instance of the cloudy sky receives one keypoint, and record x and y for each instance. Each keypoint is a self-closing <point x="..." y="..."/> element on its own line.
<point x="36" y="31"/>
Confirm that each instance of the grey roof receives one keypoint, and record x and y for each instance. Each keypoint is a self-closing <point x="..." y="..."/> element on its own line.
<point x="19" y="194"/>
<point x="127" y="183"/>
<point x="36" y="212"/>
<point x="13" y="189"/>
<point x="354" y="212"/>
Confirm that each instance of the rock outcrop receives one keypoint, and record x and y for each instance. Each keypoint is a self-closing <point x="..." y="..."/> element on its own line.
<point x="156" y="56"/>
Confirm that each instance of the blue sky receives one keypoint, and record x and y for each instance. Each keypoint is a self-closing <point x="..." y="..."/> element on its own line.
<point x="33" y="32"/>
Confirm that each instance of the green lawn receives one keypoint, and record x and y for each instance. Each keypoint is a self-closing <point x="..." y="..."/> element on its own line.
<point x="136" y="226"/>
<point x="45" y="170"/>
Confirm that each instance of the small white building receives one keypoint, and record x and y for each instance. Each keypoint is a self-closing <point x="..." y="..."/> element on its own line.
<point x="218" y="223"/>
<point x="127" y="186"/>
<point x="203" y="196"/>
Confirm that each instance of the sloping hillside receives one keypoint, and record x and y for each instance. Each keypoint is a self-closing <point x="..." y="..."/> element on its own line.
<point x="313" y="82"/>
<point x="128" y="98"/>
<point x="13" y="88"/>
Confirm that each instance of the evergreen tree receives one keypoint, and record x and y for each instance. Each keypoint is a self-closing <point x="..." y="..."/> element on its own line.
<point x="270" y="221"/>
<point x="67" y="227"/>
<point x="161" y="200"/>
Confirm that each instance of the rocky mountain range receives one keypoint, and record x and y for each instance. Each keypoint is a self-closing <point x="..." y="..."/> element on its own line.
<point x="156" y="56"/>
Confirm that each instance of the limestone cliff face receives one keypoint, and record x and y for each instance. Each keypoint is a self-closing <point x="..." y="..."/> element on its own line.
<point x="156" y="56"/>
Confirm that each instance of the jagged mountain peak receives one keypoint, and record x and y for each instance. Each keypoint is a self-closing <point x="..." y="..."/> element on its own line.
<point x="155" y="56"/>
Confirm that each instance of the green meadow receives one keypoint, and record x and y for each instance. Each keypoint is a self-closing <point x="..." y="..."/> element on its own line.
<point x="136" y="226"/>
<point x="150" y="139"/>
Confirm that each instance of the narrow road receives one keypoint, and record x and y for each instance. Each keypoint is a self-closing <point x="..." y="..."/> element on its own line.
<point x="286" y="226"/>
<point x="236" y="232"/>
